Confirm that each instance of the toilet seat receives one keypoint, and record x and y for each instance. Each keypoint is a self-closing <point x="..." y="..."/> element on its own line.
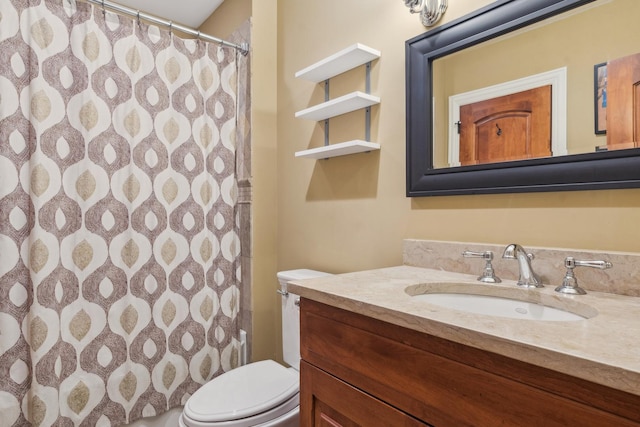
<point x="249" y="395"/>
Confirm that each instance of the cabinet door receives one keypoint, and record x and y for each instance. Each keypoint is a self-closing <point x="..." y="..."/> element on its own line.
<point x="325" y="401"/>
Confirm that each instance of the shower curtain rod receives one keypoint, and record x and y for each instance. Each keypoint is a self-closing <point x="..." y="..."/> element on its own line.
<point x="105" y="4"/>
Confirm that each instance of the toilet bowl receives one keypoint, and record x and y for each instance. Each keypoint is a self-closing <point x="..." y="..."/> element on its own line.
<point x="264" y="393"/>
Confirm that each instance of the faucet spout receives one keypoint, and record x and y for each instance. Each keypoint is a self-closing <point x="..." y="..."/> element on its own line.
<point x="527" y="279"/>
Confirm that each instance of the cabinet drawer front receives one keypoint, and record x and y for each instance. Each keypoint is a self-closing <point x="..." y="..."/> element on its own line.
<point x="399" y="367"/>
<point x="334" y="403"/>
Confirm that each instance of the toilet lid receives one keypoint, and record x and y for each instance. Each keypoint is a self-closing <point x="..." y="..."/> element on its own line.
<point x="243" y="392"/>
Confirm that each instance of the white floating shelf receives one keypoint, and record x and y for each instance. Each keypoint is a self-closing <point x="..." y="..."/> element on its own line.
<point x="345" y="60"/>
<point x="344" y="104"/>
<point x="340" y="149"/>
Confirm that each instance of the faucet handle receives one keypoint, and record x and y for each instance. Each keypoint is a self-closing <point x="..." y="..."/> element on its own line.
<point x="488" y="274"/>
<point x="571" y="262"/>
<point x="570" y="283"/>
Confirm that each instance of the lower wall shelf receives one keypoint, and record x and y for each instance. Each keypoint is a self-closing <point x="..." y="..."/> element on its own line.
<point x="340" y="149"/>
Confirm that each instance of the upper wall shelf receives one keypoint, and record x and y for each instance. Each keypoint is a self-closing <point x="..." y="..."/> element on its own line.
<point x="345" y="60"/>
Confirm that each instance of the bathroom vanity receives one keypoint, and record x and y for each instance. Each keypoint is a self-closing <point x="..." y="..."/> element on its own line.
<point x="372" y="355"/>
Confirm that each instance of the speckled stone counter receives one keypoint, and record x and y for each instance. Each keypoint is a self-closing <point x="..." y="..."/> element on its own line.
<point x="604" y="349"/>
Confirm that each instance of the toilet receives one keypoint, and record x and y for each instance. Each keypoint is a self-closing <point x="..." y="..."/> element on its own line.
<point x="263" y="393"/>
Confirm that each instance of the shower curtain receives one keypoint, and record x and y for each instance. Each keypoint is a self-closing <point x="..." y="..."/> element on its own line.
<point x="119" y="248"/>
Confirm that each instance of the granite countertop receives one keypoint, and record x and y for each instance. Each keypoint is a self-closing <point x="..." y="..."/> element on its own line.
<point x="604" y="349"/>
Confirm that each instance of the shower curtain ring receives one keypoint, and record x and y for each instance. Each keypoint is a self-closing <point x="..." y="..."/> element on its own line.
<point x="170" y="27"/>
<point x="138" y="16"/>
<point x="104" y="12"/>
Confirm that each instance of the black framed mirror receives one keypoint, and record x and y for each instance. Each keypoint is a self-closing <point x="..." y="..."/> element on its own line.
<point x="587" y="171"/>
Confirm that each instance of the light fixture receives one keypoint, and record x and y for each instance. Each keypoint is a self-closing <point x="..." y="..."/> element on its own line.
<point x="430" y="10"/>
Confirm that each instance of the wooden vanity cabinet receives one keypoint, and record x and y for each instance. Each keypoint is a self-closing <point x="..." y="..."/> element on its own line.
<point x="359" y="371"/>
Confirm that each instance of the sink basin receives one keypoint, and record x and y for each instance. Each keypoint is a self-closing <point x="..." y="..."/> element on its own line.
<point x="501" y="302"/>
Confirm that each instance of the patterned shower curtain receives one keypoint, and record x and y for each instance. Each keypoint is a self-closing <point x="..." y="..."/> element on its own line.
<point x="119" y="249"/>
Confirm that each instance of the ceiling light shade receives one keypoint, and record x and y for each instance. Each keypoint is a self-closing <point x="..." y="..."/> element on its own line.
<point x="430" y="10"/>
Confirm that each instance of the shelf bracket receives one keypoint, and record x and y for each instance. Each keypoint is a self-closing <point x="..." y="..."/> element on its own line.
<point x="326" y="121"/>
<point x="367" y="113"/>
<point x="367" y="80"/>
<point x="326" y="132"/>
<point x="367" y="124"/>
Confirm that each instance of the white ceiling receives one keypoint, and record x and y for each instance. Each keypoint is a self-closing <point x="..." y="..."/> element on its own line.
<point x="191" y="13"/>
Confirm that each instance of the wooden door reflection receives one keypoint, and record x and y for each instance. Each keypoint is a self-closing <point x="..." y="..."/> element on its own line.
<point x="623" y="102"/>
<point x="511" y="127"/>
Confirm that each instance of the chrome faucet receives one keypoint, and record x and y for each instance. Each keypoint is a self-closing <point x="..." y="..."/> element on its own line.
<point x="527" y="279"/>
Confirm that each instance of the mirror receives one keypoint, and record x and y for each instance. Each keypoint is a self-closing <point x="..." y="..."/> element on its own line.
<point x="488" y="48"/>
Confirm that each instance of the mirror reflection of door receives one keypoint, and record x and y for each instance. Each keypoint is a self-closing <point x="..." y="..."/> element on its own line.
<point x="511" y="127"/>
<point x="623" y="102"/>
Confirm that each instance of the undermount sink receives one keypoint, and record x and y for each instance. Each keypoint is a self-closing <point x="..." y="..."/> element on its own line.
<point x="501" y="302"/>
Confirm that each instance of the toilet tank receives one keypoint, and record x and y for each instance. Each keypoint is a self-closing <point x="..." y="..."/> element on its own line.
<point x="291" y="314"/>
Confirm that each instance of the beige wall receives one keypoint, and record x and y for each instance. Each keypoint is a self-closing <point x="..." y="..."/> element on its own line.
<point x="264" y="50"/>
<point x="350" y="213"/>
<point x="227" y="18"/>
<point x="266" y="314"/>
